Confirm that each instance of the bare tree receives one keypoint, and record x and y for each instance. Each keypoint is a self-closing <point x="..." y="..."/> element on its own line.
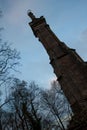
<point x="8" y="61"/>
<point x="24" y="106"/>
<point x="56" y="104"/>
<point x="8" y="58"/>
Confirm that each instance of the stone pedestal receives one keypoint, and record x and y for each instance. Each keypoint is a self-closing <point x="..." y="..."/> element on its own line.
<point x="79" y="121"/>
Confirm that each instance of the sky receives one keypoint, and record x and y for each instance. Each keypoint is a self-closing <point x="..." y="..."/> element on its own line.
<point x="67" y="19"/>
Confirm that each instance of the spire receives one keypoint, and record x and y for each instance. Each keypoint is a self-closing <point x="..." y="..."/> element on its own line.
<point x="31" y="15"/>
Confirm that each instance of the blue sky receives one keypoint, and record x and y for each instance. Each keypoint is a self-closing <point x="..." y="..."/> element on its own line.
<point x="67" y="19"/>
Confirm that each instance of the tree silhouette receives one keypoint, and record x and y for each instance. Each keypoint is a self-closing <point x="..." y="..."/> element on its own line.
<point x="24" y="106"/>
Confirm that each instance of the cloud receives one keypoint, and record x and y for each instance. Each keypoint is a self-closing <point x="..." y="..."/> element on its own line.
<point x="17" y="11"/>
<point x="84" y="36"/>
<point x="81" y="44"/>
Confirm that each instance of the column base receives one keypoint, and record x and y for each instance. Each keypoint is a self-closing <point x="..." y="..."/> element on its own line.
<point x="79" y="121"/>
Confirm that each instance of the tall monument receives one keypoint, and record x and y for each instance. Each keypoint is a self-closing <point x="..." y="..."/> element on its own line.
<point x="68" y="66"/>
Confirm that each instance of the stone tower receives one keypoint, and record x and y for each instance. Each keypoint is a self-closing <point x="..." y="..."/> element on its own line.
<point x="68" y="66"/>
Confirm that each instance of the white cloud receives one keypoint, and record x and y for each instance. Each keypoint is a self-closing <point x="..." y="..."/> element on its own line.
<point x="84" y="36"/>
<point x="18" y="11"/>
<point x="81" y="44"/>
